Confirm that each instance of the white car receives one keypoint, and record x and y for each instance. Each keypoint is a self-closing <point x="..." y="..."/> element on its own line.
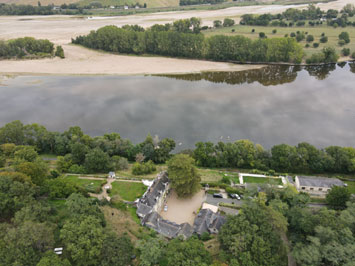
<point x="166" y="208"/>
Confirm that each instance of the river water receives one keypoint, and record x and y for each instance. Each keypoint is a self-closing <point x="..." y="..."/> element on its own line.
<point x="268" y="106"/>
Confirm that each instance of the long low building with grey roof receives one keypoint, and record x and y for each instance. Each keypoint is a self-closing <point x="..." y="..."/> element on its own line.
<point x="317" y="186"/>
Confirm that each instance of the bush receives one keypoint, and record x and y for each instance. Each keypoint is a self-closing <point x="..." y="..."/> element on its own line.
<point x="292" y="34"/>
<point x="300" y="36"/>
<point x="59" y="52"/>
<point x="205" y="236"/>
<point x="228" y="22"/>
<point x="344" y="36"/>
<point x="307" y="45"/>
<point x="353" y="55"/>
<point x="274" y="31"/>
<point x="217" y="23"/>
<point x="345" y="51"/>
<point x="253" y="30"/>
<point x="315" y="45"/>
<point x="341" y="42"/>
<point x="143" y="168"/>
<point x="286" y="35"/>
<point x="119" y="163"/>
<point x="233" y="30"/>
<point x="226" y="180"/>
<point x="76" y="169"/>
<point x="310" y="38"/>
<point x="262" y="35"/>
<point x="323" y="39"/>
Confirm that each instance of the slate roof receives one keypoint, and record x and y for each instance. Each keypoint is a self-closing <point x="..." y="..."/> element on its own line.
<point x="166" y="228"/>
<point x="208" y="221"/>
<point x="149" y="199"/>
<point x="309" y="181"/>
<point x="290" y="180"/>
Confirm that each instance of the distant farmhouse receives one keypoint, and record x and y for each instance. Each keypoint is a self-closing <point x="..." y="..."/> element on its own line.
<point x="317" y="186"/>
<point x="151" y="203"/>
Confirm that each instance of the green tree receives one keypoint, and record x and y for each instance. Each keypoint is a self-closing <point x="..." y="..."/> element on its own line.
<point x="25" y="153"/>
<point x="83" y="240"/>
<point x="37" y="171"/>
<point x="116" y="251"/>
<point x="78" y="152"/>
<point x="344" y="36"/>
<point x="12" y="133"/>
<point x="183" y="175"/>
<point x="59" y="52"/>
<point x="97" y="161"/>
<point x="51" y="259"/>
<point x="151" y="251"/>
<point x="217" y="23"/>
<point x="337" y="197"/>
<point x="189" y="252"/>
<point x="228" y="22"/>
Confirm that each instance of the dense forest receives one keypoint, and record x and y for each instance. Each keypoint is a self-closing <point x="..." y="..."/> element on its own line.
<point x="183" y="39"/>
<point x="41" y="210"/>
<point x="28" y="47"/>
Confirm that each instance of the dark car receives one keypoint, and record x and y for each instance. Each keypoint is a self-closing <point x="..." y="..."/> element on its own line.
<point x="218" y="195"/>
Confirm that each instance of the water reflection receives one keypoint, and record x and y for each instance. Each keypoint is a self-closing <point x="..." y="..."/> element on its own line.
<point x="269" y="106"/>
<point x="271" y="75"/>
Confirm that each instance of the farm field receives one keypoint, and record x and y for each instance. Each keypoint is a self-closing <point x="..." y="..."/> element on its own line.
<point x="129" y="191"/>
<point x="330" y="32"/>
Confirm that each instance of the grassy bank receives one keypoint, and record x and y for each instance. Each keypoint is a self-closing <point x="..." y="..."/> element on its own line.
<point x="129" y="191"/>
<point x="93" y="186"/>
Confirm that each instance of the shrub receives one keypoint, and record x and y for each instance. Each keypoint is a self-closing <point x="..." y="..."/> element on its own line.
<point x="300" y="36"/>
<point x="228" y="22"/>
<point x="344" y="36"/>
<point x="274" y="31"/>
<point x="323" y="39"/>
<point x="345" y="51"/>
<point x="315" y="45"/>
<point x="253" y="30"/>
<point x="307" y="45"/>
<point x="262" y="35"/>
<point x="59" y="52"/>
<point x="341" y="42"/>
<point x="233" y="30"/>
<point x="143" y="168"/>
<point x="310" y="38"/>
<point x="217" y="23"/>
<point x="76" y="169"/>
<point x="286" y="35"/>
<point x="353" y="55"/>
<point x="226" y="180"/>
<point x="205" y="236"/>
<point x="293" y="34"/>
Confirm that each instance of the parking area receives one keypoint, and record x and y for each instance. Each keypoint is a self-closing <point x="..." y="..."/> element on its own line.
<point x="183" y="210"/>
<point x="215" y="201"/>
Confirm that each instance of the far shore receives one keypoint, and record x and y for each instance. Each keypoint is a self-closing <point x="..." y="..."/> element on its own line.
<point x="83" y="61"/>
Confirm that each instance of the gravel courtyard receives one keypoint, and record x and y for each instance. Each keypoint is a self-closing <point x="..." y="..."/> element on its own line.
<point x="183" y="210"/>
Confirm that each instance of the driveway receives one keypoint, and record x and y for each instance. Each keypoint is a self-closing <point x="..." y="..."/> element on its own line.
<point x="215" y="201"/>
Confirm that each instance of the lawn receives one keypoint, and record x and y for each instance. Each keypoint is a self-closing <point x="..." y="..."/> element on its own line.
<point x="351" y="186"/>
<point x="128" y="173"/>
<point x="330" y="32"/>
<point x="129" y="191"/>
<point x="261" y="180"/>
<point x="93" y="186"/>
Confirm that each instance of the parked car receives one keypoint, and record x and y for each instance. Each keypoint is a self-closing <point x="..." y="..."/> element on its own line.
<point x="166" y="208"/>
<point x="218" y="195"/>
<point x="234" y="196"/>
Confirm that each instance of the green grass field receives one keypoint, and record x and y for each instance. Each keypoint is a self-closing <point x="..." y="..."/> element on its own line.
<point x="351" y="186"/>
<point x="129" y="191"/>
<point x="93" y="186"/>
<point x="261" y="180"/>
<point x="330" y="32"/>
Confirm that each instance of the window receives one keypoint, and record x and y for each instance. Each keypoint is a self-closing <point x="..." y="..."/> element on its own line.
<point x="303" y="188"/>
<point x="320" y="189"/>
<point x="311" y="188"/>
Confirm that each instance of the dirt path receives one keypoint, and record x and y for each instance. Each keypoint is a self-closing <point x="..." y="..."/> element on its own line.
<point x="105" y="187"/>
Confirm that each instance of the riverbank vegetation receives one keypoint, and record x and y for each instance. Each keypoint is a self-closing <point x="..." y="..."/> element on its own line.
<point x="183" y="39"/>
<point x="42" y="210"/>
<point x="29" y="48"/>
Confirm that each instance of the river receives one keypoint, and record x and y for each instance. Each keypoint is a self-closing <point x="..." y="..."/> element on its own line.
<point x="268" y="106"/>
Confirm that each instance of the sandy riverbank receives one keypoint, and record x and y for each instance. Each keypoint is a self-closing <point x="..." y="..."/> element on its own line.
<point x="81" y="61"/>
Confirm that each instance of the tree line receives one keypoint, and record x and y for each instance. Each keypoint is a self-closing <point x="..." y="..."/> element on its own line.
<point x="199" y="2"/>
<point x="182" y="39"/>
<point x="296" y="17"/>
<point x="303" y="158"/>
<point x="28" y="47"/>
